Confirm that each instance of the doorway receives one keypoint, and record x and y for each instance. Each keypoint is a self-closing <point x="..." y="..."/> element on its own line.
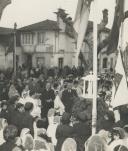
<point x="60" y="62"/>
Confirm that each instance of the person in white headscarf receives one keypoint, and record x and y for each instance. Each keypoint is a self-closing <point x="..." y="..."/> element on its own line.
<point x="3" y="124"/>
<point x="31" y="96"/>
<point x="120" y="138"/>
<point x="41" y="139"/>
<point x="27" y="139"/>
<point x="98" y="142"/>
<point x="58" y="105"/>
<point x="13" y="91"/>
<point x="69" y="145"/>
<point x="51" y="130"/>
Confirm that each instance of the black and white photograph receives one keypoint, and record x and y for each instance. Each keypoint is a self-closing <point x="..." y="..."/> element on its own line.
<point x="64" y="75"/>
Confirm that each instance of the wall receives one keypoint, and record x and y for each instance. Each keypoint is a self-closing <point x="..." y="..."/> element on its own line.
<point x="46" y="56"/>
<point x="5" y="60"/>
<point x="109" y="57"/>
<point x="57" y="45"/>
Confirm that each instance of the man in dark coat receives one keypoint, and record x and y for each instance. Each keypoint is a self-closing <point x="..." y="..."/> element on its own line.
<point x="68" y="97"/>
<point x="82" y="130"/>
<point x="47" y="99"/>
<point x="19" y="116"/>
<point x="40" y="85"/>
<point x="12" y="110"/>
<point x="63" y="131"/>
<point x="27" y="120"/>
<point x="2" y="87"/>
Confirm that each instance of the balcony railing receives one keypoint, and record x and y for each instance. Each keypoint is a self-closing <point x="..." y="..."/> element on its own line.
<point x="28" y="48"/>
<point x="38" y="48"/>
<point x="44" y="48"/>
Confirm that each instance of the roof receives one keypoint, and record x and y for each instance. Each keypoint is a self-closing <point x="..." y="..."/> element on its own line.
<point x="6" y="31"/>
<point x="44" y="25"/>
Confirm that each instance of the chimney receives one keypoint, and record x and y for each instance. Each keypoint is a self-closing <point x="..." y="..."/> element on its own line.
<point x="104" y="21"/>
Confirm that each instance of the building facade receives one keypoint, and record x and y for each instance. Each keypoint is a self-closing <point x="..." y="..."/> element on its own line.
<point x="53" y="44"/>
<point x="49" y="43"/>
<point x="7" y="47"/>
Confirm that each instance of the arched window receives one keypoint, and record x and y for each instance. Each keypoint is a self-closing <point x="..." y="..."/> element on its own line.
<point x="105" y="62"/>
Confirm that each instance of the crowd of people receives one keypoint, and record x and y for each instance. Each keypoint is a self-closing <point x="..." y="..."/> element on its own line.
<point x="44" y="110"/>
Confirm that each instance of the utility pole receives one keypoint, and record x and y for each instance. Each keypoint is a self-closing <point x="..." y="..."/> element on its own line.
<point x="94" y="108"/>
<point x="14" y="51"/>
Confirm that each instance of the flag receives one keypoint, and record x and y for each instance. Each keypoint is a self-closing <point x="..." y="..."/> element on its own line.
<point x="120" y="89"/>
<point x="124" y="30"/>
<point x="3" y="4"/>
<point x="118" y="18"/>
<point x="126" y="9"/>
<point x="112" y="41"/>
<point x="81" y="21"/>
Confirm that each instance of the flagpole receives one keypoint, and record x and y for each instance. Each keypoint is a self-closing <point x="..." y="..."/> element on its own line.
<point x="14" y="52"/>
<point x="94" y="107"/>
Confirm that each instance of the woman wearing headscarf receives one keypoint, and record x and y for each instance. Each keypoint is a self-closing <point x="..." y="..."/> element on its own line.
<point x="12" y="90"/>
<point x="69" y="145"/>
<point x="41" y="139"/>
<point x="119" y="139"/>
<point x="10" y="134"/>
<point x="98" y="142"/>
<point x="53" y="123"/>
<point x="27" y="139"/>
<point x="3" y="124"/>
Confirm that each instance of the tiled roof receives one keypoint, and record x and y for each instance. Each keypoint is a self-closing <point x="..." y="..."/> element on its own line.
<point x="44" y="25"/>
<point x="6" y="31"/>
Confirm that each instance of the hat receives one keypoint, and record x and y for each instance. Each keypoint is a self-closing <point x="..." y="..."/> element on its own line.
<point x="69" y="144"/>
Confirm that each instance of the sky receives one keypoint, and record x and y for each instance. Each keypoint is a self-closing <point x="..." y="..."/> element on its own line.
<point x="25" y="12"/>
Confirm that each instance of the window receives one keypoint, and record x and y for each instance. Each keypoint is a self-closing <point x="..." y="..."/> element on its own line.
<point x="98" y="64"/>
<point x="41" y="37"/>
<point x="105" y="62"/>
<point x="111" y="63"/>
<point x="27" y="38"/>
<point x="60" y="62"/>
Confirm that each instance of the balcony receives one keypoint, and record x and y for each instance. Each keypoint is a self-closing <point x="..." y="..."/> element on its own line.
<point x="44" y="48"/>
<point x="28" y="48"/>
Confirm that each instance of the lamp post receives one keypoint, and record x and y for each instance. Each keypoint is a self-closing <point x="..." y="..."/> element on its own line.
<point x="14" y="52"/>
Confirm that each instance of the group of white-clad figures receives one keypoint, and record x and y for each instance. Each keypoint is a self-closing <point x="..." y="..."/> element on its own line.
<point x="102" y="141"/>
